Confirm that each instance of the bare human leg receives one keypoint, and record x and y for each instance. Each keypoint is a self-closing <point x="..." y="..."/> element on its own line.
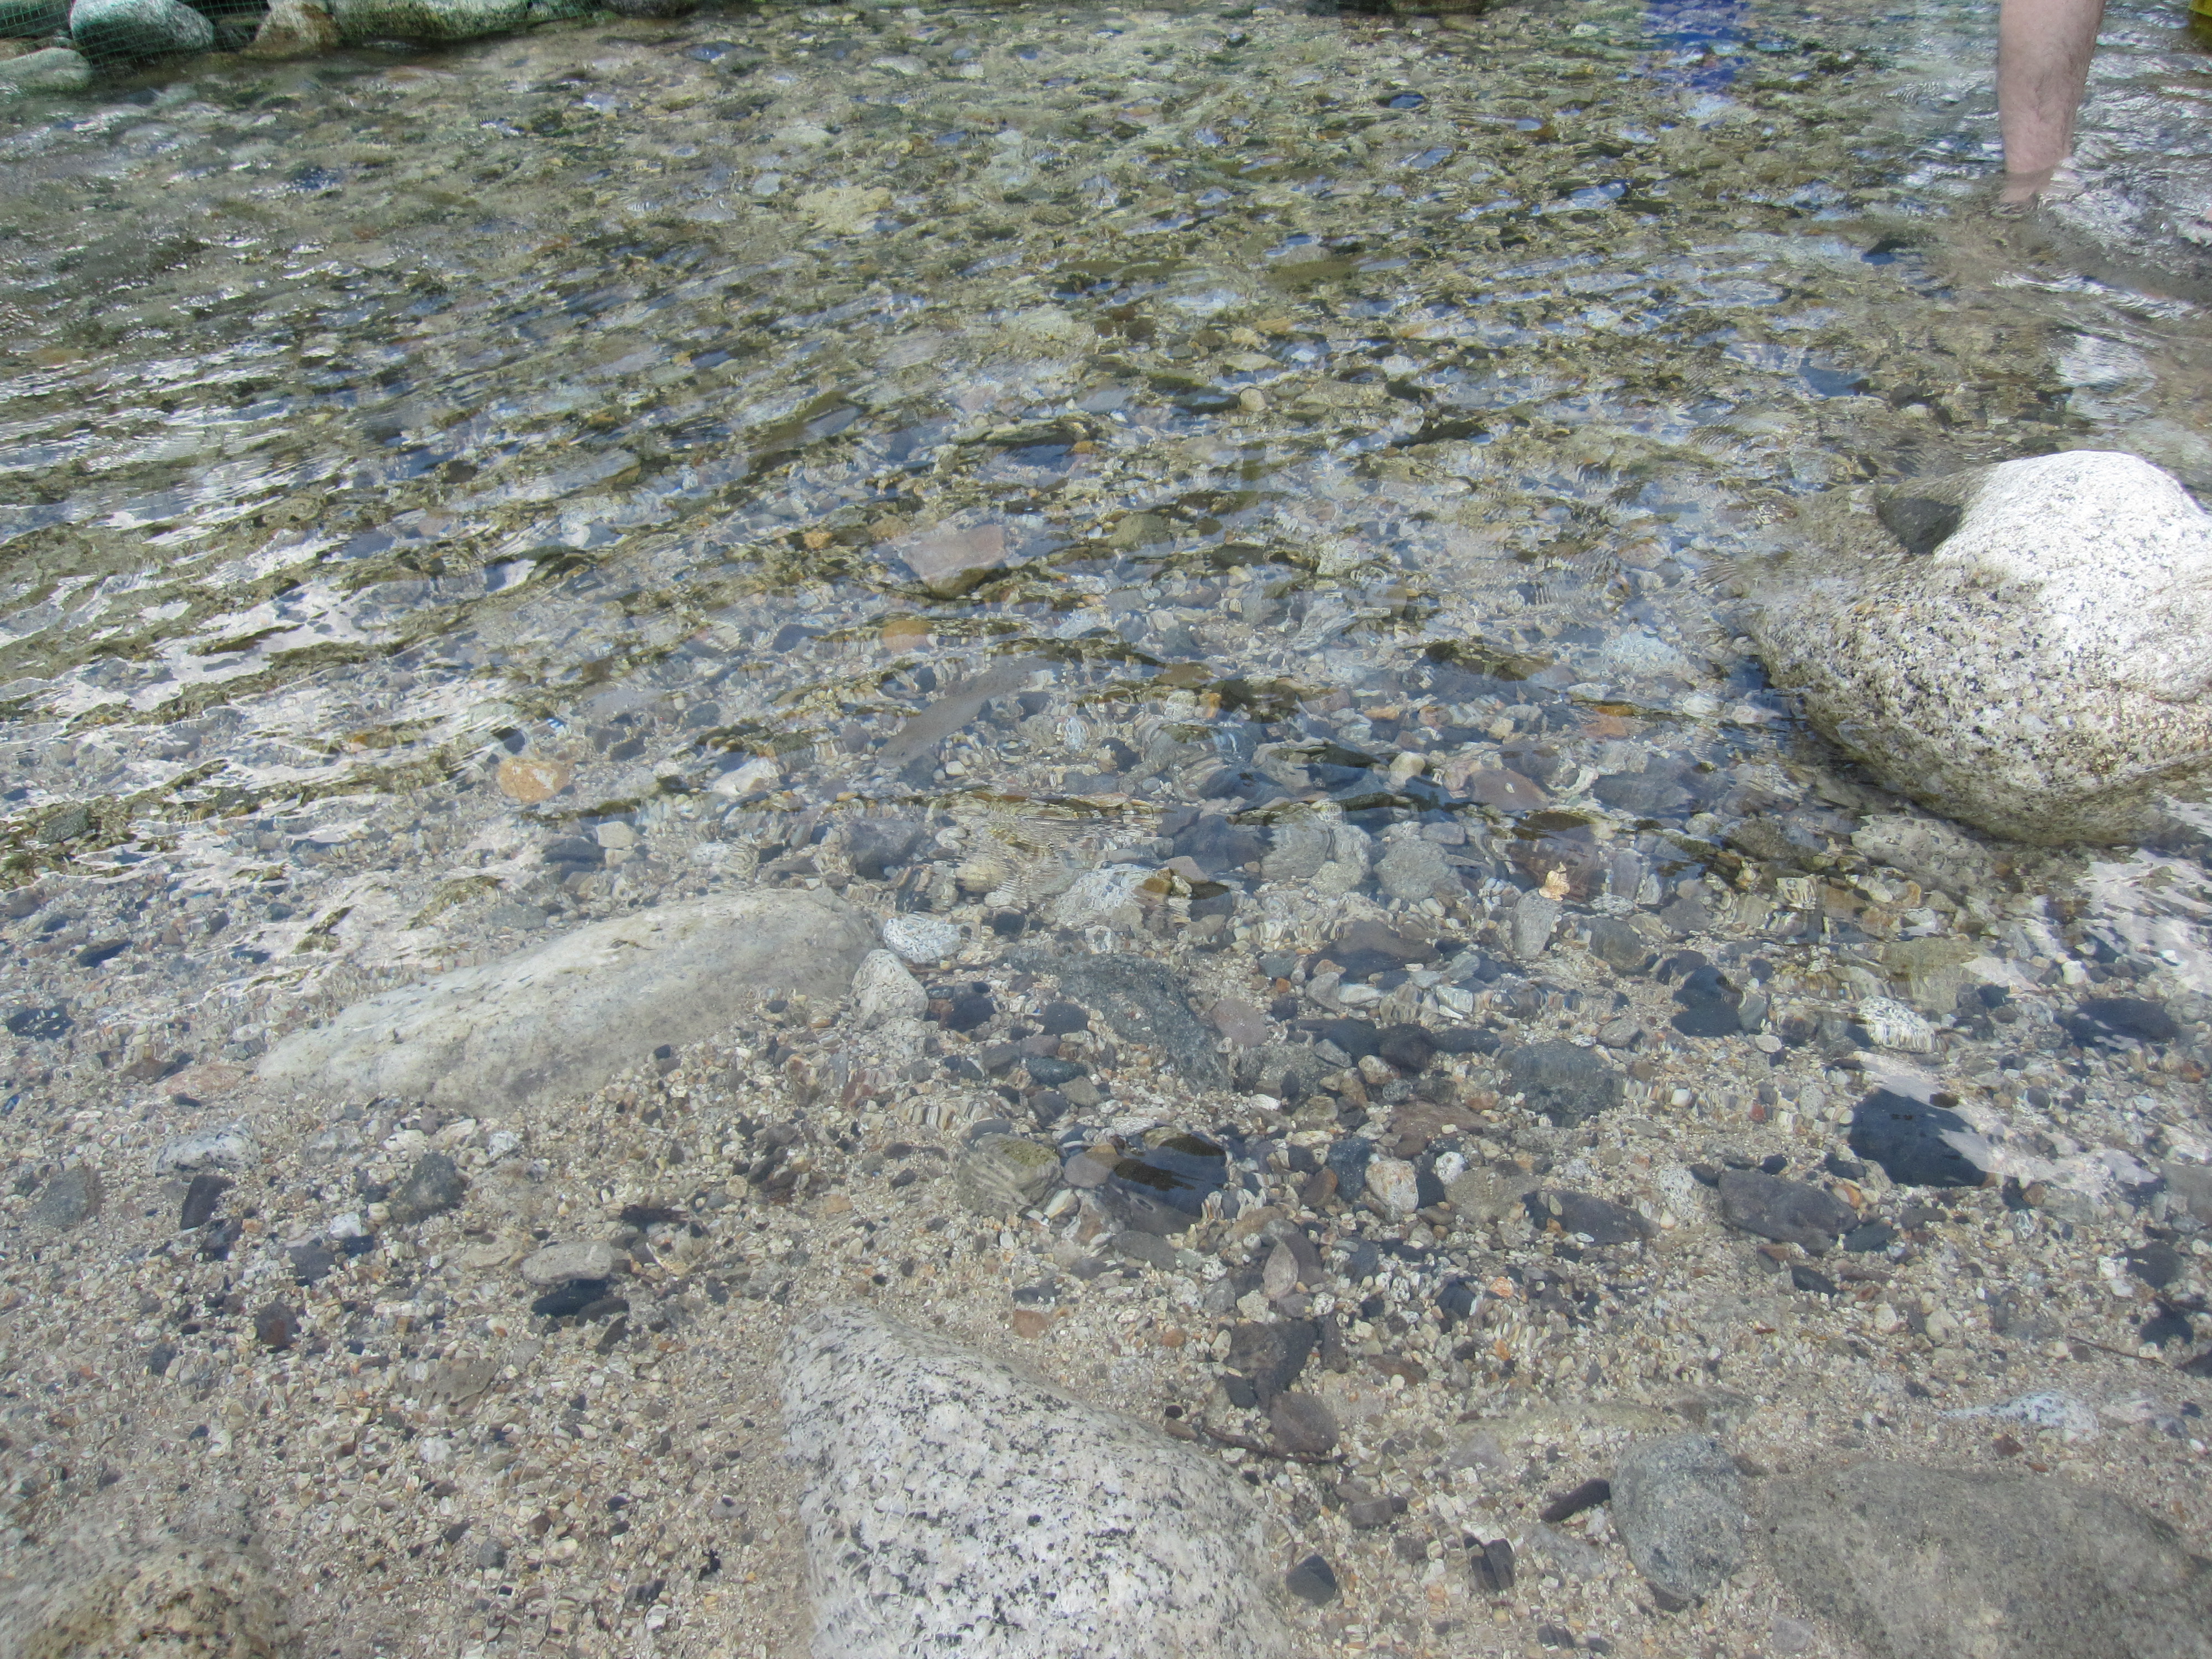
<point x="2044" y="48"/>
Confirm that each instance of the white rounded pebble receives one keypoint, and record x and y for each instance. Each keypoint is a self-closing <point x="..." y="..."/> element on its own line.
<point x="921" y="940"/>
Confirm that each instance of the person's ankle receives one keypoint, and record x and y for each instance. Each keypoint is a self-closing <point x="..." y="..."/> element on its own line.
<point x="2020" y="188"/>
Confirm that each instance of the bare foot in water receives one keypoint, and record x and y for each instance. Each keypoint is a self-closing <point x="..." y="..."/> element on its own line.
<point x="2022" y="191"/>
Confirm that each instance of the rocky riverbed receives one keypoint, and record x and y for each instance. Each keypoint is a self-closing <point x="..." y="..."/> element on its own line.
<point x="1417" y="1214"/>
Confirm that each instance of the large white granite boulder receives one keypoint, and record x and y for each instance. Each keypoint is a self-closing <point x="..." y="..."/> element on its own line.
<point x="2025" y="647"/>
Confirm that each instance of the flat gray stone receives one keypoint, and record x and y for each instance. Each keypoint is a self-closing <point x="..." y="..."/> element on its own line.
<point x="2027" y="650"/>
<point x="1566" y="1083"/>
<point x="1973" y="1563"/>
<point x="1678" y="1505"/>
<point x="954" y="1504"/>
<point x="557" y="1020"/>
<point x="1142" y="1001"/>
<point x="433" y="1187"/>
<point x="1534" y="920"/>
<point x="1001" y="1174"/>
<point x="226" y="1147"/>
<point x="560" y="1264"/>
<point x="72" y="1196"/>
<point x="1787" y="1211"/>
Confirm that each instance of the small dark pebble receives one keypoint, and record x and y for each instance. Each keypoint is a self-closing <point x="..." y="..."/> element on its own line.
<point x="101" y="950"/>
<point x="159" y="1357"/>
<point x="1365" y="1514"/>
<point x="1600" y="1219"/>
<point x="1846" y="1169"/>
<point x="1811" y="1280"/>
<point x="434" y="1186"/>
<point x="275" y="1326"/>
<point x="311" y="1262"/>
<point x="2157" y="1264"/>
<point x="1060" y="1019"/>
<point x="200" y="1199"/>
<point x="1787" y="1211"/>
<point x="969" y="1010"/>
<point x="1870" y="1236"/>
<point x="1313" y="1580"/>
<point x="1409" y="1048"/>
<point x="1552" y="1637"/>
<point x="1049" y="1071"/>
<point x="650" y="1215"/>
<point x="1588" y="1496"/>
<point x="1492" y="1564"/>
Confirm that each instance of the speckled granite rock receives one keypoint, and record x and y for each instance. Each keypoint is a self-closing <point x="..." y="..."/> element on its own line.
<point x="426" y="20"/>
<point x="1956" y="1563"/>
<point x="1678" y="1505"/>
<point x="2028" y="651"/>
<point x="560" y="1019"/>
<point x="953" y="1503"/>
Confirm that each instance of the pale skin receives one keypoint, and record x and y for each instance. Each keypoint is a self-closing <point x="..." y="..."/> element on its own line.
<point x="2044" y="48"/>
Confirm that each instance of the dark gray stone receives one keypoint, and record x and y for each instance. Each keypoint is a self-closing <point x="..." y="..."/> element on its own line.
<point x="1313" y="1580"/>
<point x="1678" y="1505"/>
<point x="1270" y="1356"/>
<point x="1922" y="1563"/>
<point x="1141" y="1001"/>
<point x="1617" y="945"/>
<point x="434" y="1186"/>
<point x="1917" y="1144"/>
<point x="1303" y="1424"/>
<point x="200" y="1199"/>
<point x="1787" y="1211"/>
<point x="1148" y="1247"/>
<point x="1563" y="1082"/>
<point x="1602" y="1219"/>
<point x="875" y="846"/>
<point x="70" y="1197"/>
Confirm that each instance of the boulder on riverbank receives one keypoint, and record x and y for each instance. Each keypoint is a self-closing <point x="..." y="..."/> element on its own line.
<point x="2024" y="647"/>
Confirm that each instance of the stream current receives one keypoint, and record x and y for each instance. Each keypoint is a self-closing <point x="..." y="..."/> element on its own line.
<point x="447" y="495"/>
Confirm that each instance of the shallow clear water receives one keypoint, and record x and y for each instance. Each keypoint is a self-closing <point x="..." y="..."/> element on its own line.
<point x="1306" y="393"/>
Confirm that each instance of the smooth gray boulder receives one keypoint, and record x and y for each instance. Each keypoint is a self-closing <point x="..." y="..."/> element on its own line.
<point x="2027" y="648"/>
<point x="426" y="20"/>
<point x="557" y="1020"/>
<point x="138" y="28"/>
<point x="1956" y="1563"/>
<point x="56" y="69"/>
<point x="1678" y="1505"/>
<point x="955" y="1504"/>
